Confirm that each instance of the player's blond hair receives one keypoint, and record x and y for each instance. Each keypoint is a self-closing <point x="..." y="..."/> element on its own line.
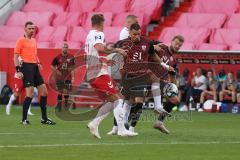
<point x="179" y="37"/>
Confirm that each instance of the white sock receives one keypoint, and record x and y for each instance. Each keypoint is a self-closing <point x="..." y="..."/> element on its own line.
<point x="119" y="114"/>
<point x="29" y="110"/>
<point x="102" y="113"/>
<point x="156" y="92"/>
<point x="126" y="110"/>
<point x="10" y="102"/>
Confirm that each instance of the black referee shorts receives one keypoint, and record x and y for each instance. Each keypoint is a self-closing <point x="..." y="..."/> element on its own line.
<point x="135" y="86"/>
<point x="31" y="75"/>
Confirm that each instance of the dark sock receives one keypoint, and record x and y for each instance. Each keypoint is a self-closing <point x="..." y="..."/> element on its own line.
<point x="115" y="122"/>
<point x="26" y="104"/>
<point x="59" y="101"/>
<point x="43" y="103"/>
<point x="66" y="105"/>
<point x="168" y="106"/>
<point x="135" y="116"/>
<point x="201" y="105"/>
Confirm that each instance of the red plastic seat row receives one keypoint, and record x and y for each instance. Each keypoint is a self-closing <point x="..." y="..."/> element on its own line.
<point x="41" y="19"/>
<point x="18" y="18"/>
<point x="200" y="20"/>
<point x="45" y="5"/>
<point x="215" y="6"/>
<point x="191" y="35"/>
<point x="75" y="35"/>
<point x="225" y="36"/>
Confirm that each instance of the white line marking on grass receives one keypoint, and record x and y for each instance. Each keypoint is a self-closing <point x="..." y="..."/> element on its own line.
<point x="116" y="144"/>
<point x="2" y="133"/>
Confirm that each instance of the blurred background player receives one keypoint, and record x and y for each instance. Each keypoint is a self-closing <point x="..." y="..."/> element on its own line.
<point x="198" y="85"/>
<point x="130" y="19"/>
<point x="18" y="88"/>
<point x="63" y="66"/>
<point x="100" y="80"/>
<point x="229" y="88"/>
<point x="166" y="55"/>
<point x="212" y="88"/>
<point x="26" y="48"/>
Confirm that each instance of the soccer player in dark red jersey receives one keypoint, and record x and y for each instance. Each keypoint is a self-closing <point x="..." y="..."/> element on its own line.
<point x="63" y="66"/>
<point x="137" y="73"/>
<point x="166" y="55"/>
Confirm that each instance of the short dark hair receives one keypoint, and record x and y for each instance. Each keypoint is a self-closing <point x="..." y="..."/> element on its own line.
<point x="28" y="23"/>
<point x="131" y="16"/>
<point x="179" y="37"/>
<point x="135" y="26"/>
<point x="97" y="19"/>
<point x="210" y="70"/>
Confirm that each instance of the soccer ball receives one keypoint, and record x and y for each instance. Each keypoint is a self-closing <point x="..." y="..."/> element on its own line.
<point x="170" y="90"/>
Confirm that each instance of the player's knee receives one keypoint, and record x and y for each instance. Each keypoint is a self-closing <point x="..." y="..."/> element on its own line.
<point x="139" y="100"/>
<point x="174" y="100"/>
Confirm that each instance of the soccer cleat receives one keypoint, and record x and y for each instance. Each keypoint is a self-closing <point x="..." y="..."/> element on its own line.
<point x="160" y="126"/>
<point x="30" y="113"/>
<point x="8" y="109"/>
<point x="126" y="133"/>
<point x="200" y="110"/>
<point x="48" y="121"/>
<point x="131" y="129"/>
<point x="114" y="131"/>
<point x="25" y="122"/>
<point x="162" y="111"/>
<point x="94" y="130"/>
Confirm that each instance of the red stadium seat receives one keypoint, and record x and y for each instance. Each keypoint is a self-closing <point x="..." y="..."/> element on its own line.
<point x="207" y="46"/>
<point x="147" y="7"/>
<point x="11" y="33"/>
<point x="4" y="44"/>
<point x="119" y="19"/>
<point x="112" y="33"/>
<point x="82" y="5"/>
<point x="215" y="6"/>
<point x="45" y="5"/>
<point x="77" y="34"/>
<point x="44" y="45"/>
<point x="67" y="19"/>
<point x="114" y="6"/>
<point x="108" y="16"/>
<point x="191" y="35"/>
<point x="233" y="21"/>
<point x="235" y="47"/>
<point x="185" y="46"/>
<point x="40" y="19"/>
<point x="52" y="34"/>
<point x="225" y="36"/>
<point x="200" y="20"/>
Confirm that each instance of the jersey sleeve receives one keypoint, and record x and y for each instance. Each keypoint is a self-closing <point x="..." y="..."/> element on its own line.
<point x="72" y="60"/>
<point x="151" y="48"/>
<point x="98" y="38"/>
<point x="55" y="61"/>
<point x="18" y="47"/>
<point x="118" y="44"/>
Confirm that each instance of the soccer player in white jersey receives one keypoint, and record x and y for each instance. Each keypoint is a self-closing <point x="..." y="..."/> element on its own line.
<point x="130" y="19"/>
<point x="17" y="90"/>
<point x="100" y="80"/>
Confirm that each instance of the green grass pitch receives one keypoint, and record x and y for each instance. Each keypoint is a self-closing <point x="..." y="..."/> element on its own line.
<point x="194" y="136"/>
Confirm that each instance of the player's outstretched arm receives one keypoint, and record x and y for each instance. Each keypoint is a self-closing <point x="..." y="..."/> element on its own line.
<point x="164" y="65"/>
<point x="102" y="48"/>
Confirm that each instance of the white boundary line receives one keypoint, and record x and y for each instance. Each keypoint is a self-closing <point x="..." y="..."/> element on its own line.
<point x="116" y="144"/>
<point x="12" y="133"/>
